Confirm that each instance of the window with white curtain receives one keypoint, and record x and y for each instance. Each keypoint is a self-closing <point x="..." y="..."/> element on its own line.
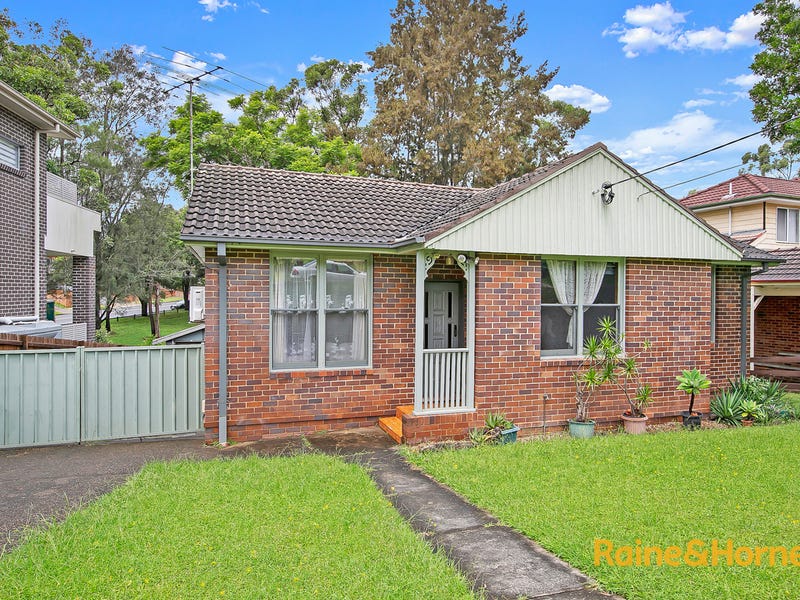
<point x="788" y="223"/>
<point x="576" y="295"/>
<point x="320" y="319"/>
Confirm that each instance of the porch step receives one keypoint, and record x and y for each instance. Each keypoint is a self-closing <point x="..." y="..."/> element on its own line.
<point x="393" y="426"/>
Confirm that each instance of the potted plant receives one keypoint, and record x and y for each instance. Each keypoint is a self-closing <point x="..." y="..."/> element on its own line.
<point x="692" y="381"/>
<point x="750" y="411"/>
<point x="496" y="429"/>
<point x="588" y="376"/>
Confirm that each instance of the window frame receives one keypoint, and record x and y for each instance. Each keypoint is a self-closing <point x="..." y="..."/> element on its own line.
<point x="14" y="146"/>
<point x="321" y="310"/>
<point x="785" y="240"/>
<point x="579" y="260"/>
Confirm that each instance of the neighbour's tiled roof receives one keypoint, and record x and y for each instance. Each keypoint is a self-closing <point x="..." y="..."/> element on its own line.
<point x="787" y="271"/>
<point x="743" y="187"/>
<point x="749" y="236"/>
<point x="244" y="203"/>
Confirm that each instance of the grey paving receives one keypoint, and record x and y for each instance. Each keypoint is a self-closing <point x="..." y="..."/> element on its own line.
<point x="497" y="559"/>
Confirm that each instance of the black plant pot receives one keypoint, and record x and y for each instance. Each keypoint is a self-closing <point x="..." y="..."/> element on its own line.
<point x="691" y="421"/>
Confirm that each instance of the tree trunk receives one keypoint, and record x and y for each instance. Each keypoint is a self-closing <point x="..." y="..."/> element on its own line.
<point x="157" y="315"/>
<point x="145" y="305"/>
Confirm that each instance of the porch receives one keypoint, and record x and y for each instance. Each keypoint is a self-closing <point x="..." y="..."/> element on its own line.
<point x="444" y="355"/>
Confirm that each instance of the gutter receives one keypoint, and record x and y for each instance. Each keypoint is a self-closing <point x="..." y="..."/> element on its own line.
<point x="222" y="402"/>
<point x="37" y="228"/>
<point x="268" y="242"/>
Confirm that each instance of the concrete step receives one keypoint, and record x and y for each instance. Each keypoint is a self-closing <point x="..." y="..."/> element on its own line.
<point x="393" y="426"/>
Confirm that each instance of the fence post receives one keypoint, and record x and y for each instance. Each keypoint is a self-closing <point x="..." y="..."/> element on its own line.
<point x="81" y="393"/>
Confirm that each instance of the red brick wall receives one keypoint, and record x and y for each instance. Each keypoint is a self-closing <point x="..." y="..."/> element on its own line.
<point x="667" y="303"/>
<point x="261" y="403"/>
<point x="777" y="319"/>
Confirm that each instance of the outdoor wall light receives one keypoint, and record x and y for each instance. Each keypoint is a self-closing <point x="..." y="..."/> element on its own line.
<point x="449" y="260"/>
<point x="607" y="193"/>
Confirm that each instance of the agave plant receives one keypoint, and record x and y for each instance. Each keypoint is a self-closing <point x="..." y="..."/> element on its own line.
<point x="726" y="406"/>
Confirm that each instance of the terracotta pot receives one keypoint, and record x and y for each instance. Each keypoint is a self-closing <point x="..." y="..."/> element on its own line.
<point x="635" y="425"/>
<point x="747" y="422"/>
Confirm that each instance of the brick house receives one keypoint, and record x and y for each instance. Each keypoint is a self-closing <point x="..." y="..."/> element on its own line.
<point x="764" y="212"/>
<point x="442" y="303"/>
<point x="39" y="217"/>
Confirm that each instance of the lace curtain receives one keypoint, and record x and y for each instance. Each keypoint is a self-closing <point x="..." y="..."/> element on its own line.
<point x="563" y="278"/>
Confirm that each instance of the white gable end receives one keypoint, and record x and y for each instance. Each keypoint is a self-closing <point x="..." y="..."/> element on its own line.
<point x="564" y="215"/>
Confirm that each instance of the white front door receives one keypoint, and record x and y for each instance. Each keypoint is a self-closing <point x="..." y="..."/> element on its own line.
<point x="443" y="315"/>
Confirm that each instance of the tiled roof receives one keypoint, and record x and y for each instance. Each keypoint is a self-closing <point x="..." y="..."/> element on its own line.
<point x="749" y="236"/>
<point x="743" y="187"/>
<point x="787" y="271"/>
<point x="248" y="203"/>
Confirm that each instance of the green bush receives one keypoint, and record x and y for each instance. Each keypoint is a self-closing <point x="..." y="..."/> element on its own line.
<point x="726" y="406"/>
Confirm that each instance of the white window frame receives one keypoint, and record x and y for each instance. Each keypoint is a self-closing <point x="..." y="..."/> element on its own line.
<point x="321" y="309"/>
<point x="13" y="148"/>
<point x="785" y="239"/>
<point x="566" y="352"/>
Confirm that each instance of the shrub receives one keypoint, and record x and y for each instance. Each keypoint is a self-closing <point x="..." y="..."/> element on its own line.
<point x="726" y="406"/>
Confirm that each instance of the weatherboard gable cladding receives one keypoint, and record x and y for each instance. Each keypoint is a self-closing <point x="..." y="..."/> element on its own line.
<point x="563" y="215"/>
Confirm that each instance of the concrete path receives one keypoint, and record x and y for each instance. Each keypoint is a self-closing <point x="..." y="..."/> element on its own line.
<point x="498" y="560"/>
<point x="39" y="484"/>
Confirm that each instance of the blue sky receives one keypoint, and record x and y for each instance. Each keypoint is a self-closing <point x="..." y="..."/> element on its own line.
<point x="663" y="80"/>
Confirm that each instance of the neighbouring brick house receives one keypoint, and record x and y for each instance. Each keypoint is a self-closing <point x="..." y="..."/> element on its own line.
<point x="443" y="303"/>
<point x="39" y="217"/>
<point x="764" y="212"/>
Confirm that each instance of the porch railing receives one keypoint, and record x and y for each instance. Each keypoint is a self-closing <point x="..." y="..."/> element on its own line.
<point x="444" y="380"/>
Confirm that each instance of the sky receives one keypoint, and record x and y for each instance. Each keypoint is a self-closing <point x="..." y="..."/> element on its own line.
<point x="663" y="80"/>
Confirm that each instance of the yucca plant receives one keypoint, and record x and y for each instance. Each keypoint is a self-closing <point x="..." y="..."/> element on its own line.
<point x="726" y="406"/>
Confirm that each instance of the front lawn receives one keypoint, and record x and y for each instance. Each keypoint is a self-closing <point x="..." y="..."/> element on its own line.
<point x="135" y="331"/>
<point x="660" y="489"/>
<point x="302" y="527"/>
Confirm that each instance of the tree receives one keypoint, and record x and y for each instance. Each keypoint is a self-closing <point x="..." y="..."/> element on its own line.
<point x="776" y="97"/>
<point x="455" y="103"/>
<point x="275" y="129"/>
<point x="777" y="163"/>
<point x="341" y="96"/>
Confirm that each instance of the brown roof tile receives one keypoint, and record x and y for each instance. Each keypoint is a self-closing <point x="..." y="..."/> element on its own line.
<point x="787" y="271"/>
<point x="248" y="203"/>
<point x="743" y="187"/>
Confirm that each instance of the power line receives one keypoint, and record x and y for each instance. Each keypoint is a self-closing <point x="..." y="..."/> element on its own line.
<point x="715" y="148"/>
<point x="704" y="176"/>
<point x="251" y="80"/>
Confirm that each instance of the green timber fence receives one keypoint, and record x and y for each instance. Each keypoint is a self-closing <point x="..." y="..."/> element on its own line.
<point x="89" y="394"/>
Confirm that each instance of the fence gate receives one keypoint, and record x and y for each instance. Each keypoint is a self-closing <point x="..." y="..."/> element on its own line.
<point x="89" y="394"/>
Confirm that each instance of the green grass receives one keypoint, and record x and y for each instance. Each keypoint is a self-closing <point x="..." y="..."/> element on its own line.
<point x="308" y="526"/>
<point x="794" y="399"/>
<point x="130" y="331"/>
<point x="661" y="489"/>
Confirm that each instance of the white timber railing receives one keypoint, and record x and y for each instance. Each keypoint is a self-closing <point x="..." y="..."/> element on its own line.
<point x="444" y="381"/>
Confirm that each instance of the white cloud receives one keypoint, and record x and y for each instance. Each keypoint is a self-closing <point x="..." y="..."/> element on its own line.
<point x="218" y="56"/>
<point x="697" y="103"/>
<point x="260" y="8"/>
<point x="648" y="28"/>
<point x="746" y="80"/>
<point x="212" y="6"/>
<point x="659" y="17"/>
<point x="579" y="96"/>
<point x="684" y="134"/>
<point x="208" y="18"/>
<point x="301" y="67"/>
<point x="137" y="50"/>
<point x="184" y="64"/>
<point x="317" y="58"/>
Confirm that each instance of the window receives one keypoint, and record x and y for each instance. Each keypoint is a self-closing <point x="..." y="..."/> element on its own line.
<point x="788" y="225"/>
<point x="311" y="313"/>
<point x="576" y="295"/>
<point x="9" y="153"/>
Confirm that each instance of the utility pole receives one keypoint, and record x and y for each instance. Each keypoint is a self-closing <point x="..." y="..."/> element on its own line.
<point x="190" y="83"/>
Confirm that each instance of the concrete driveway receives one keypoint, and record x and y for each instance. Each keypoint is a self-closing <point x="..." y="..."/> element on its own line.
<point x="45" y="483"/>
